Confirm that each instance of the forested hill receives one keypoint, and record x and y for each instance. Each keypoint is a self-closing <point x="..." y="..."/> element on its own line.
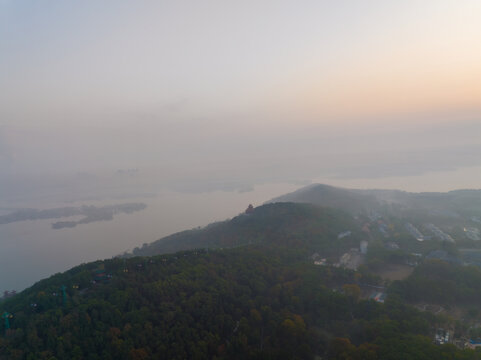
<point x="325" y="195"/>
<point x="258" y="295"/>
<point x="251" y="302"/>
<point x="280" y="224"/>
<point x="455" y="203"/>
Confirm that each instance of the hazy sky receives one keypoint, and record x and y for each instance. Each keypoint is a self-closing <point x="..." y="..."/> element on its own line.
<point x="240" y="92"/>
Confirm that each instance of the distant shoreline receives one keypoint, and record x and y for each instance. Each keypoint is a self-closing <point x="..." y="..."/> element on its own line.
<point x="91" y="214"/>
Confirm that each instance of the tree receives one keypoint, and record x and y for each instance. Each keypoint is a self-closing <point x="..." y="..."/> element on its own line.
<point x="353" y="291"/>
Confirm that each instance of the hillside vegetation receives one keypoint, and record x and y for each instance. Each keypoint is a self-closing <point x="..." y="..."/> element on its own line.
<point x="252" y="302"/>
<point x="262" y="298"/>
<point x="279" y="224"/>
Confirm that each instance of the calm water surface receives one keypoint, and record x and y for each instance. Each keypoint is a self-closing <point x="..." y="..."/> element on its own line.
<point x="32" y="250"/>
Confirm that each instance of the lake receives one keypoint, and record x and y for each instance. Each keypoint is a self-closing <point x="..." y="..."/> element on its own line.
<point x="32" y="250"/>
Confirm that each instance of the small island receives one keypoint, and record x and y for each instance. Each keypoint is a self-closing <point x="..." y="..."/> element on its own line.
<point x="91" y="214"/>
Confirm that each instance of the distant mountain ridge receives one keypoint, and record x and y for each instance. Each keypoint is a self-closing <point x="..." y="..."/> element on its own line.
<point x="325" y="195"/>
<point x="451" y="204"/>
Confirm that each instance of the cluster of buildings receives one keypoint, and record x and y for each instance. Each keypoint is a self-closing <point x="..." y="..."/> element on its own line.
<point x="473" y="343"/>
<point x="439" y="233"/>
<point x="318" y="260"/>
<point x="391" y="245"/>
<point x="374" y="216"/>
<point x="441" y="337"/>
<point x="383" y="228"/>
<point x="472" y="233"/>
<point x="378" y="296"/>
<point x="350" y="260"/>
<point x="363" y="247"/>
<point x="343" y="234"/>
<point x="444" y="337"/>
<point x="414" y="232"/>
